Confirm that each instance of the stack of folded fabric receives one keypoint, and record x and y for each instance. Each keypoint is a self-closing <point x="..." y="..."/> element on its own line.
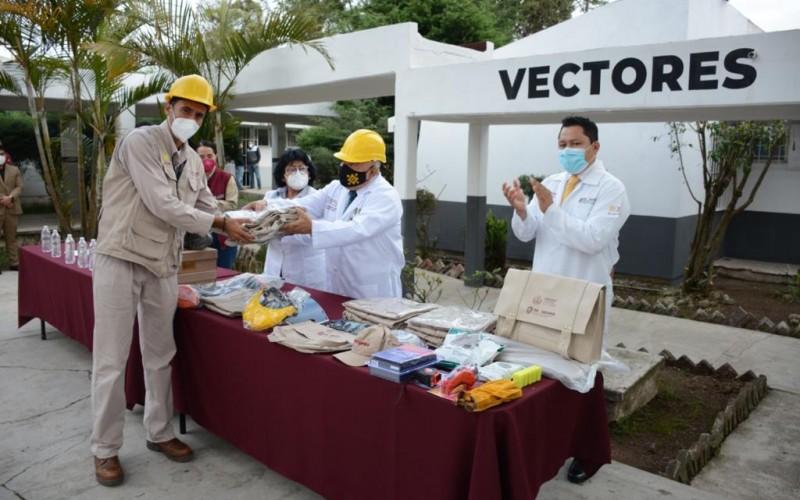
<point x="267" y="225"/>
<point x="230" y="296"/>
<point x="310" y="337"/>
<point x="433" y="326"/>
<point x="391" y="312"/>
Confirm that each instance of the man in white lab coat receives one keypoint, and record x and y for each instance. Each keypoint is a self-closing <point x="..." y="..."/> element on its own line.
<point x="575" y="217"/>
<point x="357" y="221"/>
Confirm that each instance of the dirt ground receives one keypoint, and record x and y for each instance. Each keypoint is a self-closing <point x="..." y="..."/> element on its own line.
<point x="775" y="301"/>
<point x="685" y="407"/>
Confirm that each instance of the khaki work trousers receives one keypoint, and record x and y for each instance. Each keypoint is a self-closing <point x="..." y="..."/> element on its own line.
<point x="120" y="289"/>
<point x="8" y="223"/>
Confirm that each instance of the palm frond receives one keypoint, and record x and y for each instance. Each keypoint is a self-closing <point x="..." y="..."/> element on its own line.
<point x="8" y="82"/>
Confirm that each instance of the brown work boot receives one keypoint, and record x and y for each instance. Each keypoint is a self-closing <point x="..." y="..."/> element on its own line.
<point x="174" y="449"/>
<point x="108" y="471"/>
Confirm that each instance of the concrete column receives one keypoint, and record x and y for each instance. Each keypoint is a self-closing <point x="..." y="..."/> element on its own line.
<point x="406" y="131"/>
<point x="277" y="145"/>
<point x="277" y="140"/>
<point x="477" y="168"/>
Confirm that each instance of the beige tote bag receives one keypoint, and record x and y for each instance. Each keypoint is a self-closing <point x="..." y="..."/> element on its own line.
<point x="558" y="314"/>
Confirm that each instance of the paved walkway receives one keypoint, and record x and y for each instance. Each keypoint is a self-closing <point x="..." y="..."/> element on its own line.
<point x="45" y="423"/>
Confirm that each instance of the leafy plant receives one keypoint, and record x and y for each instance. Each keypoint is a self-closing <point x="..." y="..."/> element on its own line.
<point x="426" y="207"/>
<point x="496" y="242"/>
<point x="727" y="151"/>
<point x="420" y="286"/>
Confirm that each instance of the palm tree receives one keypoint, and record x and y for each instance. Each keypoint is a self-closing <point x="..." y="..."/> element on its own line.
<point x="22" y="34"/>
<point x="73" y="25"/>
<point x="177" y="40"/>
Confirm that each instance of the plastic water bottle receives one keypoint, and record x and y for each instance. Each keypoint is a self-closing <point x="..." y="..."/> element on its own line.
<point x="91" y="255"/>
<point x="69" y="250"/>
<point x="55" y="244"/>
<point x="83" y="253"/>
<point x="45" y="239"/>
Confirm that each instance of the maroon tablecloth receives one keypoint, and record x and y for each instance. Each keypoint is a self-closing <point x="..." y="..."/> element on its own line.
<point x="61" y="294"/>
<point x="336" y="429"/>
<point x="346" y="434"/>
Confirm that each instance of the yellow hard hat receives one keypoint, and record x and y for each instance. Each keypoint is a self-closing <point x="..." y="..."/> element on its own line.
<point x="361" y="146"/>
<point x="194" y="88"/>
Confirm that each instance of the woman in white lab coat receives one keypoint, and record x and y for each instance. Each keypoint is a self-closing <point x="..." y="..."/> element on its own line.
<point x="292" y="257"/>
<point x="356" y="220"/>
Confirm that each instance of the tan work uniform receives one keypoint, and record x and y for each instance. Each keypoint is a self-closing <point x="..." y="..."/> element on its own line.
<point x="11" y="185"/>
<point x="152" y="194"/>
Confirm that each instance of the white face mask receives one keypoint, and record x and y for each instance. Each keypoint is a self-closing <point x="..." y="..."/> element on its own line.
<point x="297" y="180"/>
<point x="184" y="128"/>
<point x="2" y="159"/>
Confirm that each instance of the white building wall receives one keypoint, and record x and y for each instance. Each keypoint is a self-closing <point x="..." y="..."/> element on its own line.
<point x="618" y="24"/>
<point x="655" y="184"/>
<point x="780" y="191"/>
<point x="714" y="18"/>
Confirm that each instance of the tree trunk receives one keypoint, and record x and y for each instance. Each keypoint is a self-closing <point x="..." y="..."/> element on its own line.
<point x="96" y="201"/>
<point x="43" y="144"/>
<point x="218" y="138"/>
<point x="77" y="102"/>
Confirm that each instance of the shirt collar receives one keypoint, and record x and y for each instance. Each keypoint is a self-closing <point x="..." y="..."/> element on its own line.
<point x="592" y="175"/>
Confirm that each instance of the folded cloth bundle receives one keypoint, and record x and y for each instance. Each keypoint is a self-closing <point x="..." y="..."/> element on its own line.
<point x="433" y="326"/>
<point x="268" y="224"/>
<point x="230" y="304"/>
<point x="310" y="337"/>
<point x="391" y="312"/>
<point x="229" y="297"/>
<point x="489" y="394"/>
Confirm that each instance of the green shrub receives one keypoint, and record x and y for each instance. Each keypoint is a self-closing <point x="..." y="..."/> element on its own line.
<point x="496" y="242"/>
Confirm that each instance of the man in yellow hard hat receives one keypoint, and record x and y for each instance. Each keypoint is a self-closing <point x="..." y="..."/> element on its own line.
<point x="356" y="219"/>
<point x="154" y="191"/>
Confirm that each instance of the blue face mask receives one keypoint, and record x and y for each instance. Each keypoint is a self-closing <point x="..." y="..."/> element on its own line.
<point x="573" y="160"/>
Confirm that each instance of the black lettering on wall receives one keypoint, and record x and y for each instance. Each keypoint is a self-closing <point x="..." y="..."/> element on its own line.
<point x="638" y="81"/>
<point x="537" y="77"/>
<point x="697" y="70"/>
<point x="747" y="72"/>
<point x="512" y="89"/>
<point x="558" y="80"/>
<point x="595" y="68"/>
<point x="662" y="76"/>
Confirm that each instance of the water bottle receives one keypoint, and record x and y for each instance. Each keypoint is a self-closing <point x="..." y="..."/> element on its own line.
<point x="82" y="253"/>
<point x="45" y="239"/>
<point x="69" y="250"/>
<point x="91" y="256"/>
<point x="55" y="244"/>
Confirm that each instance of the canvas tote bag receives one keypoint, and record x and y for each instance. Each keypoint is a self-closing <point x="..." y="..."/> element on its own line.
<point x="555" y="313"/>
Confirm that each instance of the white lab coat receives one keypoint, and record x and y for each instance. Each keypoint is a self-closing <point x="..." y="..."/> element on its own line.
<point x="363" y="242"/>
<point x="578" y="238"/>
<point x="293" y="257"/>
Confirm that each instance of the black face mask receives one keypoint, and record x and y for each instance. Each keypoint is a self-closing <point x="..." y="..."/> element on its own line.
<point x="351" y="178"/>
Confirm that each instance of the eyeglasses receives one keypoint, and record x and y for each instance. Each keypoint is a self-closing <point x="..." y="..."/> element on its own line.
<point x="303" y="169"/>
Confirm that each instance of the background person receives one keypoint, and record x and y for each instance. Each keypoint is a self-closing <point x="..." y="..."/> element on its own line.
<point x="10" y="205"/>
<point x="223" y="186"/>
<point x="293" y="257"/>
<point x="252" y="158"/>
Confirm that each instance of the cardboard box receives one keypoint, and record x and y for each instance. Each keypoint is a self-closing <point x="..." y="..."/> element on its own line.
<point x="198" y="266"/>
